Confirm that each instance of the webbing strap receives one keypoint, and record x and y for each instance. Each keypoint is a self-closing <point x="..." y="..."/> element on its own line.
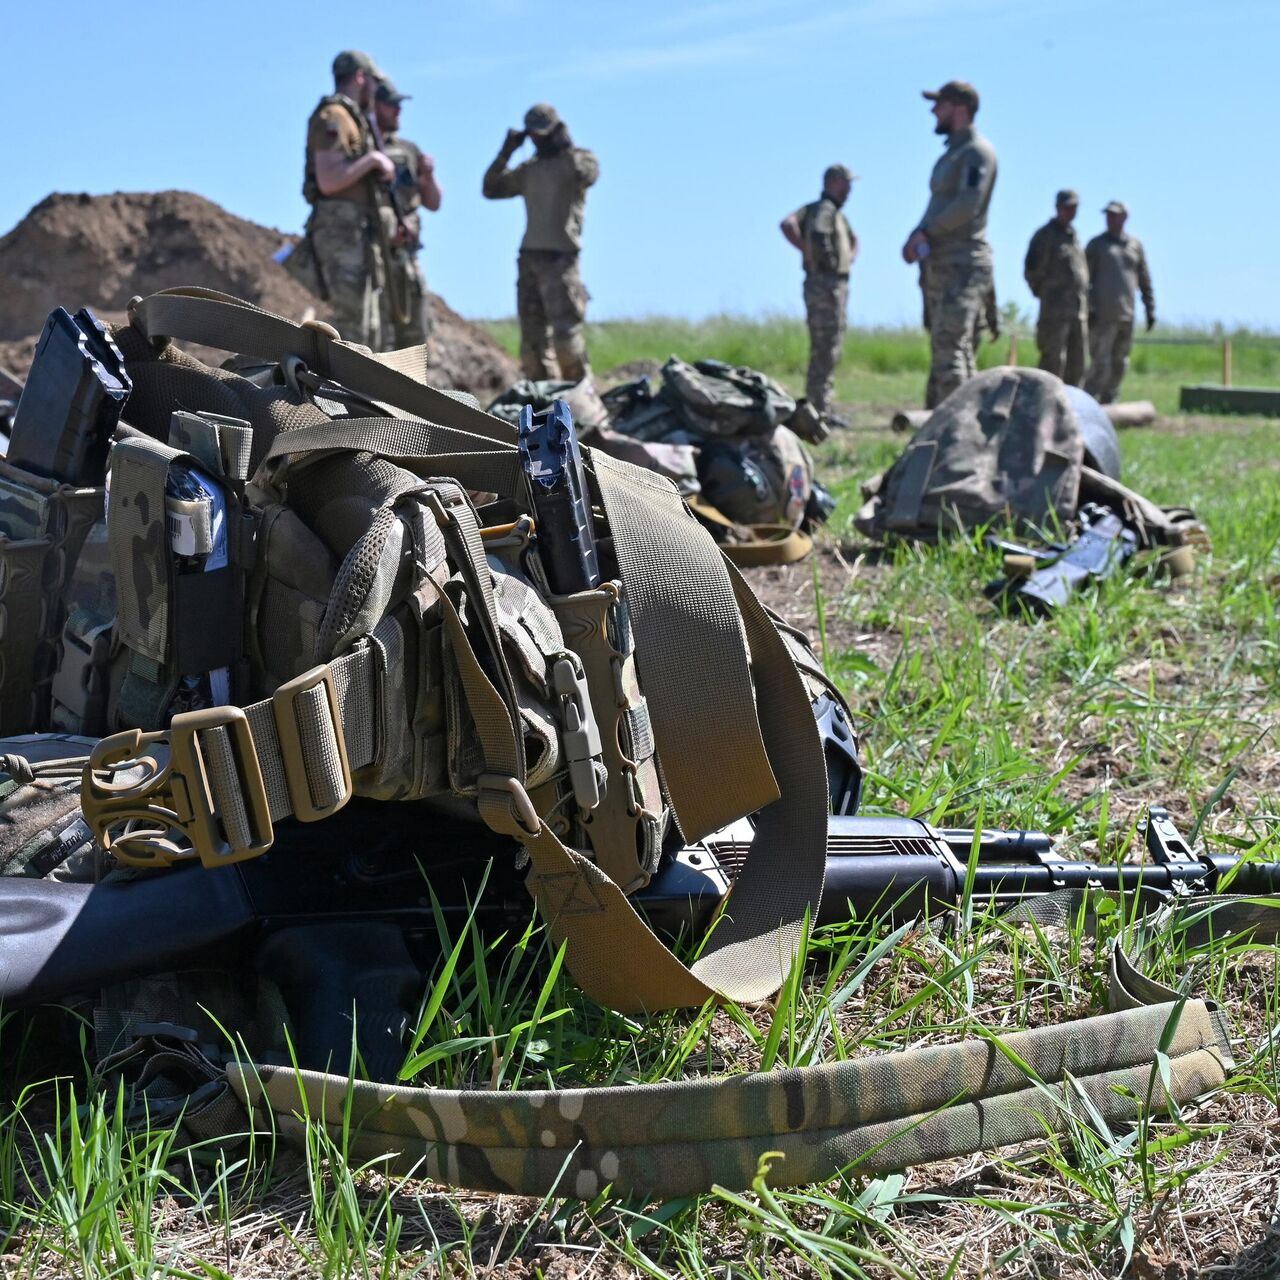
<point x="219" y="320"/>
<point x="768" y="544"/>
<point x="883" y="1111"/>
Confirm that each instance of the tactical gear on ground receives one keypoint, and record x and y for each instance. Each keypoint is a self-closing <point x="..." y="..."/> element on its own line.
<point x="1012" y="444"/>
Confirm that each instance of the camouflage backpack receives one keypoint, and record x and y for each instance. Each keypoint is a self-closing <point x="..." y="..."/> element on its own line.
<point x="1016" y="444"/>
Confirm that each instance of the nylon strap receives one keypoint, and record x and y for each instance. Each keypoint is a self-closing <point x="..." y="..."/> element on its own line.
<point x="768" y="544"/>
<point x="883" y="1111"/>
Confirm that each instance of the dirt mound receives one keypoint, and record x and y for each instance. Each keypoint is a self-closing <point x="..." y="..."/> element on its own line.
<point x="99" y="251"/>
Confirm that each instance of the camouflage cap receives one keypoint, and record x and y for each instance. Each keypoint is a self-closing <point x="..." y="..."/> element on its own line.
<point x="540" y="119"/>
<point x="387" y="92"/>
<point x="839" y="171"/>
<point x="349" y="61"/>
<point x="960" y="91"/>
<point x="1067" y="196"/>
<point x="1115" y="206"/>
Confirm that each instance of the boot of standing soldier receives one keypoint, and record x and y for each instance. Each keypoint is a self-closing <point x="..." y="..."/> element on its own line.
<point x="1058" y="276"/>
<point x="1117" y="269"/>
<point x="952" y="236"/>
<point x="406" y="310"/>
<point x="551" y="299"/>
<point x="828" y="248"/>
<point x="339" y="181"/>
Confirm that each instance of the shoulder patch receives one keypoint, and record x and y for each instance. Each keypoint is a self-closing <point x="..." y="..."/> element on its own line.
<point x="975" y="175"/>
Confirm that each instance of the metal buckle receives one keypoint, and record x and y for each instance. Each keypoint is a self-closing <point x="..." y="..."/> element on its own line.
<point x="141" y="821"/>
<point x="295" y="765"/>
<point x="520" y="806"/>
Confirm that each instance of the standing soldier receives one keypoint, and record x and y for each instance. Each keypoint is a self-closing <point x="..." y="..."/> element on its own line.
<point x="550" y="297"/>
<point x="343" y="170"/>
<point x="952" y="235"/>
<point x="1117" y="267"/>
<point x="1056" y="273"/>
<point x="823" y="235"/>
<point x="406" y="306"/>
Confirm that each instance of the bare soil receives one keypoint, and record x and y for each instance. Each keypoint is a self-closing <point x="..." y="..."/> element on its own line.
<point x="100" y="251"/>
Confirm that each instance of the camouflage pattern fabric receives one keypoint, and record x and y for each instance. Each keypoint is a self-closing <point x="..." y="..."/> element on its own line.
<point x="1117" y="270"/>
<point x="552" y="303"/>
<point x="405" y="268"/>
<point x="1061" y="337"/>
<point x="1057" y="274"/>
<point x="343" y="236"/>
<point x="1110" y="340"/>
<point x="955" y="298"/>
<point x="826" y="303"/>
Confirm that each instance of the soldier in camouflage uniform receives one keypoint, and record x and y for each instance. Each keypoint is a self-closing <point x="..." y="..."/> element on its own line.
<point x="823" y="235"/>
<point x="406" y="307"/>
<point x="1117" y="268"/>
<point x="1056" y="273"/>
<point x="550" y="297"/>
<point x="342" y="167"/>
<point x="952" y="236"/>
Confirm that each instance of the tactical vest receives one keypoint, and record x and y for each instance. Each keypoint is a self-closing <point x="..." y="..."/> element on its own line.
<point x="310" y="189"/>
<point x="308" y="604"/>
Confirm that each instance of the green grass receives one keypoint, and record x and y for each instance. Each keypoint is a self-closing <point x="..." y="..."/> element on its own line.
<point x="1140" y="692"/>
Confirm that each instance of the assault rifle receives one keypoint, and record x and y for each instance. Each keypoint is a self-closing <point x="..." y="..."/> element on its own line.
<point x="343" y="916"/>
<point x="1102" y="546"/>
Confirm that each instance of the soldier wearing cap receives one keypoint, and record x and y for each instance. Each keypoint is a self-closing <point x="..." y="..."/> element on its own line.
<point x="1056" y="273"/>
<point x="952" y="236"/>
<point x="406" y="308"/>
<point x="1117" y="269"/>
<point x="550" y="297"/>
<point x="828" y="247"/>
<point x="343" y="170"/>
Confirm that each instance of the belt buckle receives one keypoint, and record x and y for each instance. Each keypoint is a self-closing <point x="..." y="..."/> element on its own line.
<point x="170" y="815"/>
<point x="295" y="766"/>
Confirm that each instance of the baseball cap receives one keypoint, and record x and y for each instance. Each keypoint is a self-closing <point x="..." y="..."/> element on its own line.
<point x="839" y="171"/>
<point x="349" y="61"/>
<point x="540" y="119"/>
<point x="1067" y="196"/>
<point x="1115" y="207"/>
<point x="960" y="91"/>
<point x="387" y="92"/>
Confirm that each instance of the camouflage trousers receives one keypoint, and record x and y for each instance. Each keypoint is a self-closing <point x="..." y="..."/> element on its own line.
<point x="1060" y="335"/>
<point x="552" y="303"/>
<point x="826" y="303"/>
<point x="406" y="286"/>
<point x="955" y="298"/>
<point x="349" y="262"/>
<point x="1109" y="343"/>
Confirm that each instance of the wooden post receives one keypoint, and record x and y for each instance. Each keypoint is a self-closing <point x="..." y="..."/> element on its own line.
<point x="1226" y="362"/>
<point x="1013" y="349"/>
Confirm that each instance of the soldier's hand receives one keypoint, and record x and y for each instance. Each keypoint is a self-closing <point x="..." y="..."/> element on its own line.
<point x="428" y="163"/>
<point x="911" y="250"/>
<point x="1151" y="321"/>
<point x="384" y="168"/>
<point x="515" y="140"/>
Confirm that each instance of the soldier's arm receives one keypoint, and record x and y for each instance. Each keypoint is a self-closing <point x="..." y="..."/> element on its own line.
<point x="853" y="246"/>
<point x="790" y="228"/>
<point x="1091" y="261"/>
<point x="1144" y="287"/>
<point x="586" y="167"/>
<point x="977" y="175"/>
<point x="1033" y="266"/>
<point x="336" y="172"/>
<point x="500" y="182"/>
<point x="428" y="186"/>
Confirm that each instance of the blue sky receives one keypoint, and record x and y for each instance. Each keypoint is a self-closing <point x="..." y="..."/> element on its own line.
<point x="712" y="120"/>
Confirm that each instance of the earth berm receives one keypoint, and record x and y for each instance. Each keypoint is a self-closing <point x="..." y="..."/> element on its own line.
<point x="99" y="251"/>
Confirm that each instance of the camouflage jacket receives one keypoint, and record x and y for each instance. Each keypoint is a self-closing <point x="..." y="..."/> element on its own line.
<point x="407" y="158"/>
<point x="830" y="245"/>
<point x="555" y="195"/>
<point x="1118" y="269"/>
<point x="1055" y="268"/>
<point x="960" y="190"/>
